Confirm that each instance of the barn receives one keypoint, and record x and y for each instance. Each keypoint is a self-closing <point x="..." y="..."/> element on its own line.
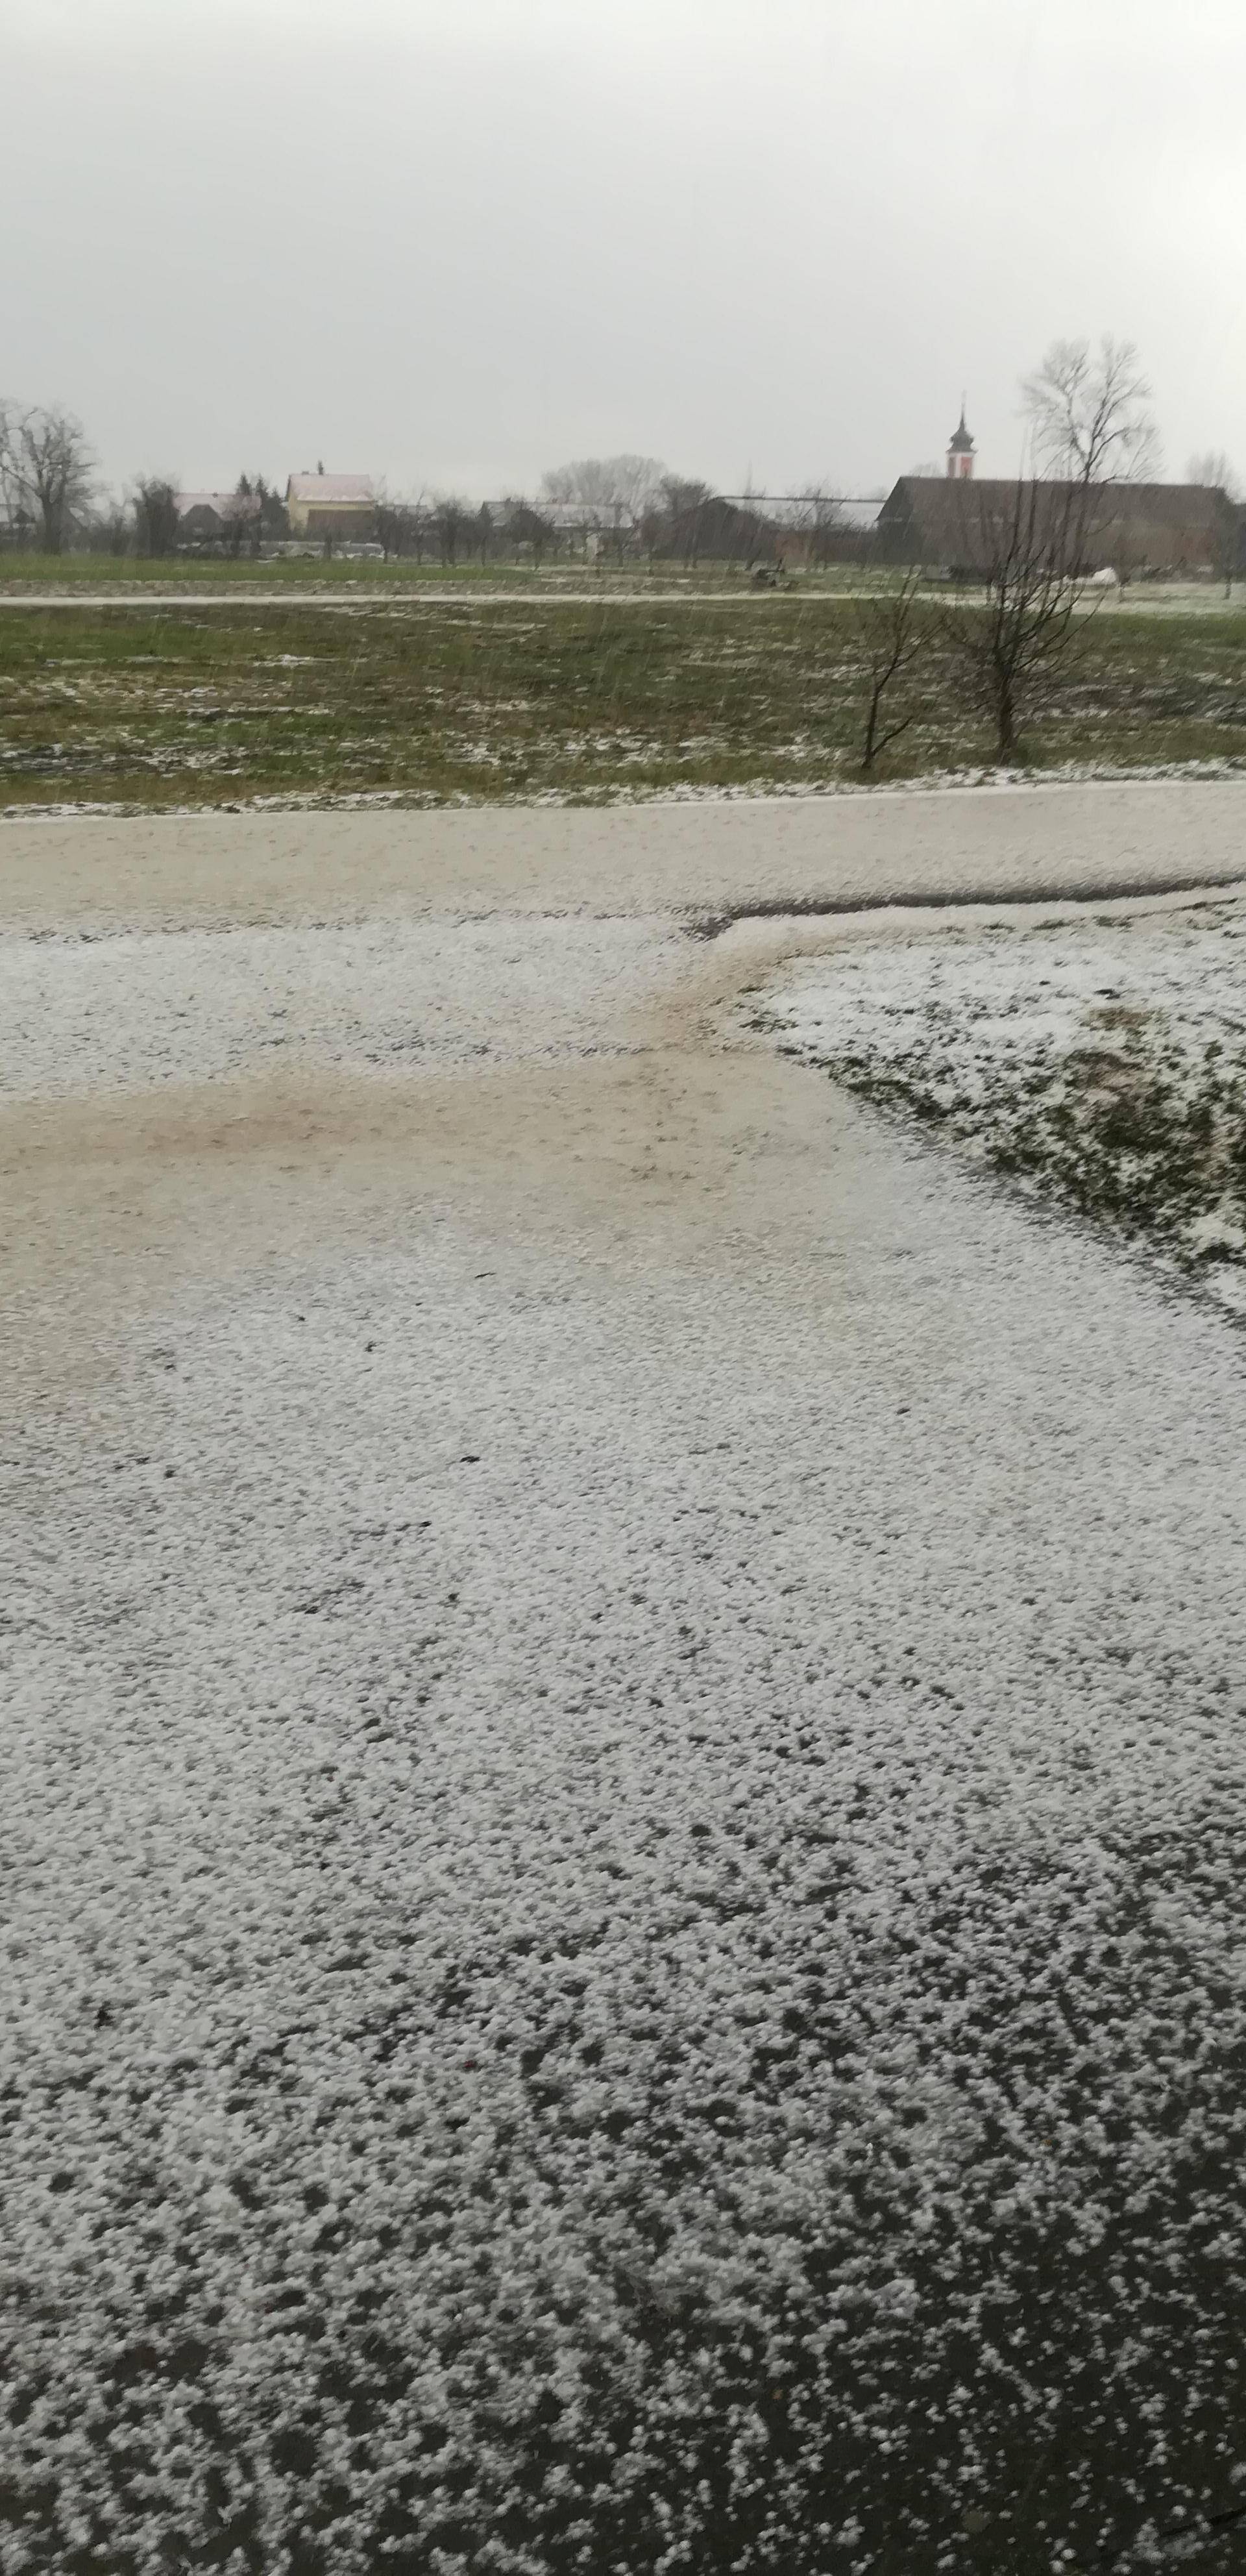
<point x="1135" y="529"/>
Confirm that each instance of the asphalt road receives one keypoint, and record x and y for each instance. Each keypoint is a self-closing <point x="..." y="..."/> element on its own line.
<point x="624" y="1785"/>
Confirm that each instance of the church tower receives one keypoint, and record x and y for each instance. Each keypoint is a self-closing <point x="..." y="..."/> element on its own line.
<point x="960" y="450"/>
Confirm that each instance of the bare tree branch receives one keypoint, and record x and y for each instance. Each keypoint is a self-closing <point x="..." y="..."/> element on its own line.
<point x="892" y="631"/>
<point x="51" y="466"/>
<point x="1031" y="547"/>
<point x="155" y="515"/>
<point x="630" y="483"/>
<point x="1088" y="413"/>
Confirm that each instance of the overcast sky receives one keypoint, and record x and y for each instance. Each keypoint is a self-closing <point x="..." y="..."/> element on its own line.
<point x="457" y="241"/>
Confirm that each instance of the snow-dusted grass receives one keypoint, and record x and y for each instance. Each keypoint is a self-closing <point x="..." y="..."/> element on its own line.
<point x="438" y="697"/>
<point x="1102" y="1061"/>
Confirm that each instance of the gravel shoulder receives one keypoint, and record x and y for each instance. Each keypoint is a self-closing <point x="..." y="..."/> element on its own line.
<point x="624" y="1780"/>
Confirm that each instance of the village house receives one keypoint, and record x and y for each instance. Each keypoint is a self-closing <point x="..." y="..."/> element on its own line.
<point x="338" y="507"/>
<point x="214" y="518"/>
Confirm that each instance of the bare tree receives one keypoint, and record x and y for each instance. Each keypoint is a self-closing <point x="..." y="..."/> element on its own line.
<point x="1215" y="471"/>
<point x="817" y="518"/>
<point x="892" y="631"/>
<point x="630" y="484"/>
<point x="523" y="525"/>
<point x="453" y="525"/>
<point x="1029" y="548"/>
<point x="110" y="528"/>
<point x="676" y="513"/>
<point x="10" y="490"/>
<point x="257" y="506"/>
<point x="389" y="519"/>
<point x="1088" y="413"/>
<point x="155" y="515"/>
<point x="51" y="466"/>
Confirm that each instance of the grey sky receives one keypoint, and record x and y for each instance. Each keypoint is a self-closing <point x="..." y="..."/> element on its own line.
<point x="455" y="241"/>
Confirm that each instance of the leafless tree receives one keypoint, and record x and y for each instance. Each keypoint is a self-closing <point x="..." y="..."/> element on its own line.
<point x="817" y="517"/>
<point x="892" y="632"/>
<point x="452" y="524"/>
<point x="1088" y="413"/>
<point x="110" y="528"/>
<point x="388" y="520"/>
<point x="525" y="526"/>
<point x="254" y="520"/>
<point x="608" y="483"/>
<point x="402" y="527"/>
<point x="51" y="467"/>
<point x="155" y="515"/>
<point x="1029" y="548"/>
<point x="676" y="512"/>
<point x="1216" y="472"/>
<point x="10" y="493"/>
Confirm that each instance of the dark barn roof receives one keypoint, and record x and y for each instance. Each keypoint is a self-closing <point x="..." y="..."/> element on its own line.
<point x="719" y="529"/>
<point x="1159" y="527"/>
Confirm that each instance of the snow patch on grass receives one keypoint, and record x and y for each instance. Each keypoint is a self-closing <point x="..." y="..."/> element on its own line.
<point x="1102" y="1061"/>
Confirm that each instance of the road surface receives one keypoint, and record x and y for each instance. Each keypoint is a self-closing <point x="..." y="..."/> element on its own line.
<point x="624" y="1787"/>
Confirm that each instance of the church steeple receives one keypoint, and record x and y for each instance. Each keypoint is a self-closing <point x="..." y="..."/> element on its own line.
<point x="960" y="450"/>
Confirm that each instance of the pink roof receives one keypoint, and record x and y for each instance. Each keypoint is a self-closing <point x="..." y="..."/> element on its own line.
<point x="329" y="487"/>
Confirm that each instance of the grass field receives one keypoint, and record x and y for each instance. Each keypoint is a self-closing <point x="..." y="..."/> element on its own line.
<point x="22" y="575"/>
<point x="434" y="699"/>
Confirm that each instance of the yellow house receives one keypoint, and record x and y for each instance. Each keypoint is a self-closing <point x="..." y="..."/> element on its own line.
<point x="331" y="505"/>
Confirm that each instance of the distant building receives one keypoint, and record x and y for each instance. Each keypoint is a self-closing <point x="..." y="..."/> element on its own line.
<point x="1134" y="529"/>
<point x="331" y="505"/>
<point x="960" y="451"/>
<point x="208" y="518"/>
<point x="717" y="528"/>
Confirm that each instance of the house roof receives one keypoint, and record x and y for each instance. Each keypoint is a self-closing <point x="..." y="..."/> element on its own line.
<point x="227" y="505"/>
<point x="331" y="487"/>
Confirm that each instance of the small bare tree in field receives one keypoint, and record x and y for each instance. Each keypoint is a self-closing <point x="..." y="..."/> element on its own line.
<point x="1029" y="552"/>
<point x="892" y="632"/>
<point x="1033" y="544"/>
<point x="1089" y="415"/>
<point x="51" y="466"/>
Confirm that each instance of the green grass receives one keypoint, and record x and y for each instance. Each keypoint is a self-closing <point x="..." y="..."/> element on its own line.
<point x="434" y="699"/>
<point x="22" y="574"/>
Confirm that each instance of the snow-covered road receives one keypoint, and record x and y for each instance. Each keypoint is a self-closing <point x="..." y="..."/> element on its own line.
<point x="625" y="1762"/>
